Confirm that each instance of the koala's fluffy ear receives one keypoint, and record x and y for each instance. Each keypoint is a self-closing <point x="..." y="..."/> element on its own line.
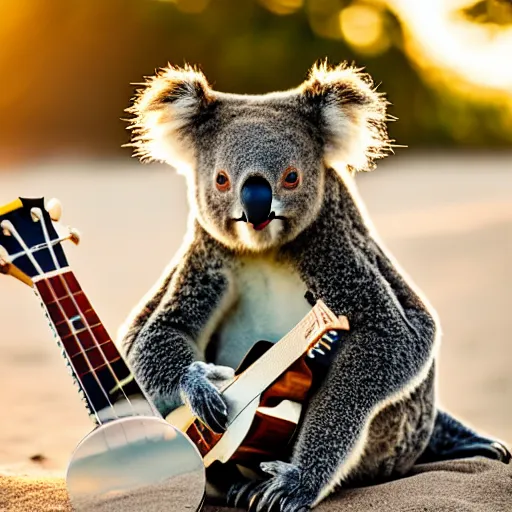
<point x="350" y="114"/>
<point x="166" y="113"/>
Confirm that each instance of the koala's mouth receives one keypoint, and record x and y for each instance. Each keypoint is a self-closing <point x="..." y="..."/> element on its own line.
<point x="262" y="225"/>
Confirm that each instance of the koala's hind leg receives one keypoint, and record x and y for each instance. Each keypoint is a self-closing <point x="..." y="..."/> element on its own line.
<point x="453" y="440"/>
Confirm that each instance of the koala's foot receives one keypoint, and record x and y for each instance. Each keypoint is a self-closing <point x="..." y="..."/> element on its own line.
<point x="477" y="447"/>
<point x="200" y="391"/>
<point x="285" y="491"/>
<point x="453" y="440"/>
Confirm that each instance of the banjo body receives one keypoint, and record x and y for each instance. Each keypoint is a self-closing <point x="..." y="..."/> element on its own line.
<point x="133" y="459"/>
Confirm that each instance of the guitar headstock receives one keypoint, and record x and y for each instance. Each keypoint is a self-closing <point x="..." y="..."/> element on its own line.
<point x="321" y="320"/>
<point x="30" y="239"/>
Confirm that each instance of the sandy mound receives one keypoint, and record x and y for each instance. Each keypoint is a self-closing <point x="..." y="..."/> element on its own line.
<point x="457" y="486"/>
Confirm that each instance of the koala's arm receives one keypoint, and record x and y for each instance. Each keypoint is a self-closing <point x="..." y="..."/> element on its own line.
<point x="385" y="355"/>
<point x="167" y="351"/>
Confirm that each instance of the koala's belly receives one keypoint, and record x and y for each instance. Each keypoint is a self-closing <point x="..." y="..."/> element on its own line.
<point x="270" y="303"/>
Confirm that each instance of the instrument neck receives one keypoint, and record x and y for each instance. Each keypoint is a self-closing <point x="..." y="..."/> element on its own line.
<point x="109" y="387"/>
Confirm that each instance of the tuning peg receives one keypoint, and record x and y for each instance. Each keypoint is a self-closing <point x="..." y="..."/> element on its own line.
<point x="54" y="208"/>
<point x="74" y="235"/>
<point x="5" y="226"/>
<point x="35" y="213"/>
<point x="4" y="256"/>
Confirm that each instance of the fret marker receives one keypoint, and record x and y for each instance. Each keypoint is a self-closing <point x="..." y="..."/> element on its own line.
<point x="77" y="323"/>
<point x="121" y="383"/>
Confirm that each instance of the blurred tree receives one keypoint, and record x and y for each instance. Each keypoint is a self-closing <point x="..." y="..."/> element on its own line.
<point x="67" y="66"/>
<point x="498" y="12"/>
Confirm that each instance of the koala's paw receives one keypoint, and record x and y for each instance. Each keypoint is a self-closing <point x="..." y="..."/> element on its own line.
<point x="285" y="491"/>
<point x="219" y="376"/>
<point x="199" y="391"/>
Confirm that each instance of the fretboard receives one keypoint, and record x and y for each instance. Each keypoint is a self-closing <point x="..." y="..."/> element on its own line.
<point x="108" y="386"/>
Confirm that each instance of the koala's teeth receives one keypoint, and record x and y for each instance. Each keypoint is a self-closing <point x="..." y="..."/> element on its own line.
<point x="242" y="218"/>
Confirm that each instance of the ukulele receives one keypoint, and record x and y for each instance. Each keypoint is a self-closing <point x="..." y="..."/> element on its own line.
<point x="266" y="398"/>
<point x="133" y="459"/>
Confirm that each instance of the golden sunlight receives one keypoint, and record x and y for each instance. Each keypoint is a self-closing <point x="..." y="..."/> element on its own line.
<point x="438" y="34"/>
<point x="282" y="6"/>
<point x="362" y="27"/>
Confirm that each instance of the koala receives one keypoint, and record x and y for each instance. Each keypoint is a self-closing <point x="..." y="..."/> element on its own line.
<point x="276" y="218"/>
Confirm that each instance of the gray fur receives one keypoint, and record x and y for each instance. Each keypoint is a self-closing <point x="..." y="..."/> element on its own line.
<point x="374" y="414"/>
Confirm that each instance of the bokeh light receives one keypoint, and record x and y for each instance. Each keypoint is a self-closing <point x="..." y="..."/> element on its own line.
<point x="362" y="26"/>
<point x="282" y="6"/>
<point x="439" y="35"/>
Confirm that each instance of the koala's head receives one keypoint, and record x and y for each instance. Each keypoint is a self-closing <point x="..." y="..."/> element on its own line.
<point x="256" y="164"/>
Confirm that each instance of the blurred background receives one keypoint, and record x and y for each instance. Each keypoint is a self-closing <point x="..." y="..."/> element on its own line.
<point x="442" y="204"/>
<point x="67" y="66"/>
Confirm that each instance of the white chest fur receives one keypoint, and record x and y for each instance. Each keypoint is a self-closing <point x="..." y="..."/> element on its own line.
<point x="270" y="302"/>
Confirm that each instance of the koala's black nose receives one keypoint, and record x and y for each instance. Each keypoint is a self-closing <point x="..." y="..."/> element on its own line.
<point x="256" y="200"/>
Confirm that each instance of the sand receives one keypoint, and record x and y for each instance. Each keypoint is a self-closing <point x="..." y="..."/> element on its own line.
<point x="447" y="219"/>
<point x="178" y="494"/>
<point x="476" y="485"/>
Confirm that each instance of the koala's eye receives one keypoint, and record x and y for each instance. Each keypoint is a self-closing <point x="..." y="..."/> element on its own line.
<point x="222" y="181"/>
<point x="291" y="178"/>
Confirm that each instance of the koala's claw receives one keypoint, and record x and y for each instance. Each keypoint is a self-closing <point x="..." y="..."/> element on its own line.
<point x="283" y="492"/>
<point x="207" y="404"/>
<point x="203" y="397"/>
<point x="239" y="493"/>
<point x="503" y="453"/>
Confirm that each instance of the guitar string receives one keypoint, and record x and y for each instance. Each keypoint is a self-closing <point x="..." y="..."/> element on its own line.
<point x="26" y="252"/>
<point x="299" y="330"/>
<point x="310" y="326"/>
<point x="74" y="373"/>
<point x="119" y="384"/>
<point x="85" y="322"/>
